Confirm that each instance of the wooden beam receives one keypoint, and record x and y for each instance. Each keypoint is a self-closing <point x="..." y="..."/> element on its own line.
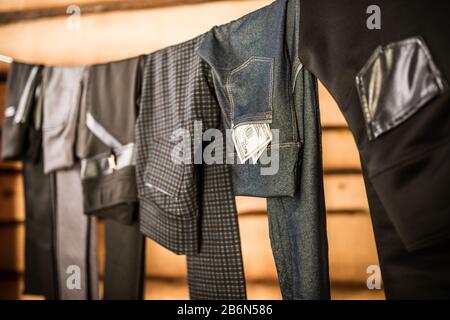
<point x="12" y="255"/>
<point x="4" y="68"/>
<point x="90" y="8"/>
<point x="330" y="115"/>
<point x="351" y="247"/>
<point x="12" y="208"/>
<point x="115" y="35"/>
<point x="340" y="154"/>
<point x="345" y="192"/>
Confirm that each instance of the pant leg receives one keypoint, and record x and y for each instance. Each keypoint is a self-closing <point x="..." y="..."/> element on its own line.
<point x="298" y="224"/>
<point x="40" y="263"/>
<point x="217" y="272"/>
<point x="281" y="246"/>
<point x="73" y="231"/>
<point x="420" y="274"/>
<point x="124" y="261"/>
<point x="93" y="280"/>
<point x="300" y="249"/>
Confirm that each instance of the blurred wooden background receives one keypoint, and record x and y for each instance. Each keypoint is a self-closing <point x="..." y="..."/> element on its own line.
<point x="37" y="31"/>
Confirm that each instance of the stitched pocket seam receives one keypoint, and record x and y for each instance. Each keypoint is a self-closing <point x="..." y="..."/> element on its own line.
<point x="267" y="115"/>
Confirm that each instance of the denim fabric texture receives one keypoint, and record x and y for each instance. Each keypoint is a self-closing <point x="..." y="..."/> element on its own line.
<point x="258" y="78"/>
<point x="252" y="76"/>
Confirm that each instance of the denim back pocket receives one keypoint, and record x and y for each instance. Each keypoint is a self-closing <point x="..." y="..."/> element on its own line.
<point x="395" y="83"/>
<point x="250" y="91"/>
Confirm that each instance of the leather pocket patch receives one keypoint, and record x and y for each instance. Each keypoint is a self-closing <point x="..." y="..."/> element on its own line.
<point x="397" y="80"/>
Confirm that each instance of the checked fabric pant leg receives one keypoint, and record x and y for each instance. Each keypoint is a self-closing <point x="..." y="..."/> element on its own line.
<point x="187" y="208"/>
<point x="216" y="272"/>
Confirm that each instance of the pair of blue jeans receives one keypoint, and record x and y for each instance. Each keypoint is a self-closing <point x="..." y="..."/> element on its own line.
<point x="258" y="78"/>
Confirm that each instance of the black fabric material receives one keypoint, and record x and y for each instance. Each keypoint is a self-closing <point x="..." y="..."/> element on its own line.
<point x="105" y="198"/>
<point x="22" y="141"/>
<point x="420" y="274"/>
<point x="111" y="96"/>
<point x="14" y="135"/>
<point x="40" y="265"/>
<point x="124" y="261"/>
<point x="396" y="81"/>
<point x="407" y="168"/>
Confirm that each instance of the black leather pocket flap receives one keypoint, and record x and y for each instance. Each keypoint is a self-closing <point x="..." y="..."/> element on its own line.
<point x="395" y="83"/>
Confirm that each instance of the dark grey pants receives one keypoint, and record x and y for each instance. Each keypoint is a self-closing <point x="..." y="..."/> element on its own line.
<point x="76" y="245"/>
<point x="124" y="261"/>
<point x="106" y="121"/>
<point x="40" y="263"/>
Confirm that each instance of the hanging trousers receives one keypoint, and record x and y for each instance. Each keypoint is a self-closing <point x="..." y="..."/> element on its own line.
<point x="21" y="140"/>
<point x="297" y="224"/>
<point x="391" y="84"/>
<point x="186" y="208"/>
<point x="108" y="113"/>
<point x="40" y="262"/>
<point x="75" y="242"/>
<point x="258" y="78"/>
<point x="75" y="239"/>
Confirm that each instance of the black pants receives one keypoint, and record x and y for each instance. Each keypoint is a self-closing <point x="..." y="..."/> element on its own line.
<point x="124" y="261"/>
<point x="40" y="263"/>
<point x="419" y="274"/>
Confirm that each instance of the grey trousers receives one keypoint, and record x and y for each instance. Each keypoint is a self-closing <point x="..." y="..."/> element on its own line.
<point x="75" y="233"/>
<point x="62" y="91"/>
<point x="76" y="244"/>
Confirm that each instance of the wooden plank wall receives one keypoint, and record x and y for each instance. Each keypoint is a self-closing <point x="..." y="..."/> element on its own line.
<point x="120" y="34"/>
